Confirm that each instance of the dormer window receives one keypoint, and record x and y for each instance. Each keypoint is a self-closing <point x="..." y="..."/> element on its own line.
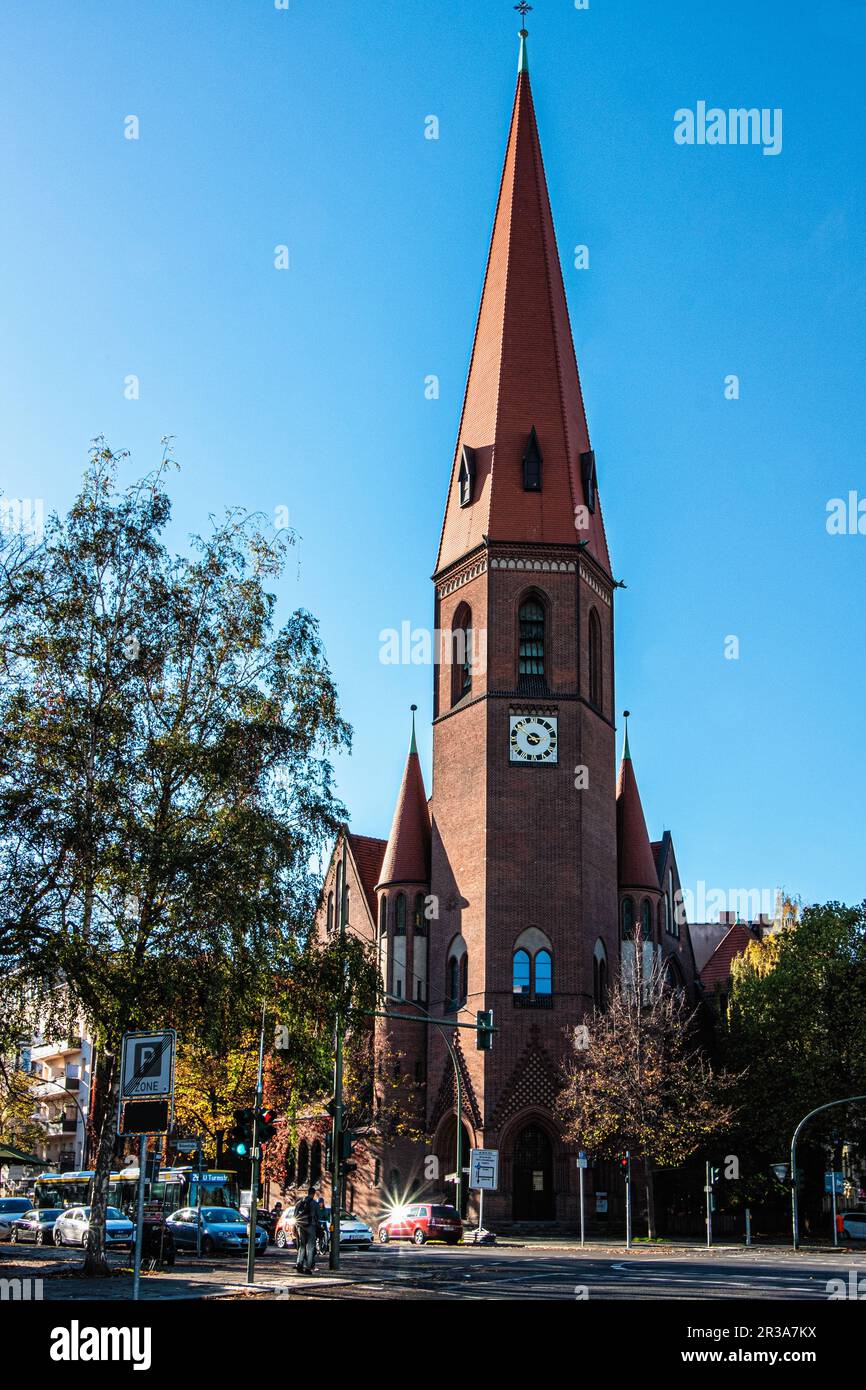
<point x="532" y="462"/>
<point x="590" y="484"/>
<point x="466" y="476"/>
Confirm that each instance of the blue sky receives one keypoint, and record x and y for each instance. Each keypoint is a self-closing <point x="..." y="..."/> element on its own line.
<point x="305" y="388"/>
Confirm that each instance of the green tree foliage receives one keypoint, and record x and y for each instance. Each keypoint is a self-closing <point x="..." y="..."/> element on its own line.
<point x="796" y="1030"/>
<point x="164" y="774"/>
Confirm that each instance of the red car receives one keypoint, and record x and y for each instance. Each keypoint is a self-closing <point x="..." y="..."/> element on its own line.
<point x="421" y="1222"/>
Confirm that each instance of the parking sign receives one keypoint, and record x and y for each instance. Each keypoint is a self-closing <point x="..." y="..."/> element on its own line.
<point x="148" y="1065"/>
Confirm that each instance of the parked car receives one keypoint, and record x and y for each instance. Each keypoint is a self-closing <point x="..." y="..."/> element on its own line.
<point x="222" y="1228"/>
<point x="264" y="1218"/>
<point x="10" y="1209"/>
<point x="421" y="1222"/>
<point x="854" y="1224"/>
<point x="353" y="1231"/>
<point x="37" y="1225"/>
<point x="72" y="1226"/>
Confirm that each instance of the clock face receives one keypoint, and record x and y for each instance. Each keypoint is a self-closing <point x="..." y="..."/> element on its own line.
<point x="533" y="739"/>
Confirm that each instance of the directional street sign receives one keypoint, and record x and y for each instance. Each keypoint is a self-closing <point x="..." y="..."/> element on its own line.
<point x="147" y="1071"/>
<point x="484" y="1169"/>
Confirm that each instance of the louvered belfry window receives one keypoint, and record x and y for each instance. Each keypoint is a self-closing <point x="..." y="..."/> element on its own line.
<point x="531" y="638"/>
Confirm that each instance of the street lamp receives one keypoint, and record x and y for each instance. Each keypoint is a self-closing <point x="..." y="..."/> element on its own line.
<point x="795" y="1215"/>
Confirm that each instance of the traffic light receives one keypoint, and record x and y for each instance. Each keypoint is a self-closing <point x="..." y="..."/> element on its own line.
<point x="266" y="1125"/>
<point x="484" y="1030"/>
<point x="348" y="1139"/>
<point x="241" y="1137"/>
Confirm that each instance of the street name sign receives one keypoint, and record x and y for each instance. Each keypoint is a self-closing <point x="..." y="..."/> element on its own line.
<point x="484" y="1169"/>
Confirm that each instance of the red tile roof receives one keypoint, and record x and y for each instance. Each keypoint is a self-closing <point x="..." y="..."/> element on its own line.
<point x="523" y="373"/>
<point x="368" y="854"/>
<point x="718" y="968"/>
<point x="637" y="865"/>
<point x="407" y="857"/>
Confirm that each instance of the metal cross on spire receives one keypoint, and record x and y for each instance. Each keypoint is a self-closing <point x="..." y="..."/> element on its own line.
<point x="523" y="10"/>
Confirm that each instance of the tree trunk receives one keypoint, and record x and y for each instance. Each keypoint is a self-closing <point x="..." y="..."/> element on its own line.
<point x="95" y="1263"/>
<point x="650" y="1200"/>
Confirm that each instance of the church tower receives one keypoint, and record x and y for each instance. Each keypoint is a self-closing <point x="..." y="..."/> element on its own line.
<point x="523" y="871"/>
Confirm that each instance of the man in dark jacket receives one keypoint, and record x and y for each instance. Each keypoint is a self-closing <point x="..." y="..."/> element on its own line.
<point x="307" y="1225"/>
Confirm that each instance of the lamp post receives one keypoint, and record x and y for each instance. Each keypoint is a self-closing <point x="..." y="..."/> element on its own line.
<point x="795" y="1215"/>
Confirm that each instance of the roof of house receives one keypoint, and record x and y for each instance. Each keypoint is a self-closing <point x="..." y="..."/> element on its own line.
<point x="718" y="968"/>
<point x="368" y="854"/>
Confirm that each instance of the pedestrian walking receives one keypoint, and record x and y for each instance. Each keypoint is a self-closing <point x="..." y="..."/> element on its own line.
<point x="307" y="1225"/>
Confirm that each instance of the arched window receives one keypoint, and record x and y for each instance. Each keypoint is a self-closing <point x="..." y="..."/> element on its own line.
<point x="543" y="973"/>
<point x="521" y="972"/>
<point x="661" y="922"/>
<point x="338" y="895"/>
<point x="599" y="975"/>
<point x="457" y="975"/>
<point x="453" y="989"/>
<point x="419" y="949"/>
<point x="461" y="653"/>
<point x="330" y="923"/>
<point x="627" y="919"/>
<point x="383" y="942"/>
<point x="531" y="638"/>
<point x="316" y="1161"/>
<point x="674" y="974"/>
<point x="646" y="923"/>
<point x="398" y="967"/>
<point x="595" y="685"/>
<point x="303" y="1161"/>
<point x="532" y="970"/>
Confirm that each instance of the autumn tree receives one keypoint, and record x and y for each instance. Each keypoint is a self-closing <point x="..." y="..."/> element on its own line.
<point x="164" y="774"/>
<point x="637" y="1079"/>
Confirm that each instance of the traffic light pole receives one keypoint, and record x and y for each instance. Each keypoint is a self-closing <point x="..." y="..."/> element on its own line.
<point x="337" y="1123"/>
<point x="628" y="1199"/>
<point x="709" y="1207"/>
<point x="257" y="1161"/>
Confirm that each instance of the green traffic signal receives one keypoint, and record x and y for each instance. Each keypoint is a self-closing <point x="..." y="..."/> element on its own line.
<point x="484" y="1030"/>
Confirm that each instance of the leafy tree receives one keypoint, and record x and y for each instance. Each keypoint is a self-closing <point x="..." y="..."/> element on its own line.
<point x="796" y="1030"/>
<point x="639" y="1081"/>
<point x="164" y="782"/>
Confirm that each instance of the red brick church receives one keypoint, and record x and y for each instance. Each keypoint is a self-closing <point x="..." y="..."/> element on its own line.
<point x="515" y="886"/>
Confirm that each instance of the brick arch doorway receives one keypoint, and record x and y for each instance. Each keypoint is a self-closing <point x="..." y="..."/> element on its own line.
<point x="446" y="1152"/>
<point x="533" y="1196"/>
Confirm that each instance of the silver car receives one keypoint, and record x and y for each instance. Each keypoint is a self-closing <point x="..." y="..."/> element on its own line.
<point x="72" y="1227"/>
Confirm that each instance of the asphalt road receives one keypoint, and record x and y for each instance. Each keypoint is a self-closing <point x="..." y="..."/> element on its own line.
<point x="494" y="1273"/>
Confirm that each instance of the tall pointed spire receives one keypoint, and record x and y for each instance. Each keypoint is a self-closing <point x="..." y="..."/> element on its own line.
<point x="407" y="857"/>
<point x="523" y="375"/>
<point x="637" y="865"/>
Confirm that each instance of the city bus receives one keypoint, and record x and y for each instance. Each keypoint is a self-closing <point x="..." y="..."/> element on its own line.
<point x="174" y="1188"/>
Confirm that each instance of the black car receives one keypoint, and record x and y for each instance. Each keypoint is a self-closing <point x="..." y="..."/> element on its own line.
<point x="36" y="1225"/>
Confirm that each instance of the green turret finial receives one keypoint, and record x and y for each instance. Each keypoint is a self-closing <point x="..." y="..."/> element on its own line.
<point x="523" y="61"/>
<point x="413" y="746"/>
<point x="626" y="752"/>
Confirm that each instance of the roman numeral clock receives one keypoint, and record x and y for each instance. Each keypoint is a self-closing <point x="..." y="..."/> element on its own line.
<point x="533" y="738"/>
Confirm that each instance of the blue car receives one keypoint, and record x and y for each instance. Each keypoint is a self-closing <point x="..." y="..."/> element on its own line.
<point x="222" y="1229"/>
